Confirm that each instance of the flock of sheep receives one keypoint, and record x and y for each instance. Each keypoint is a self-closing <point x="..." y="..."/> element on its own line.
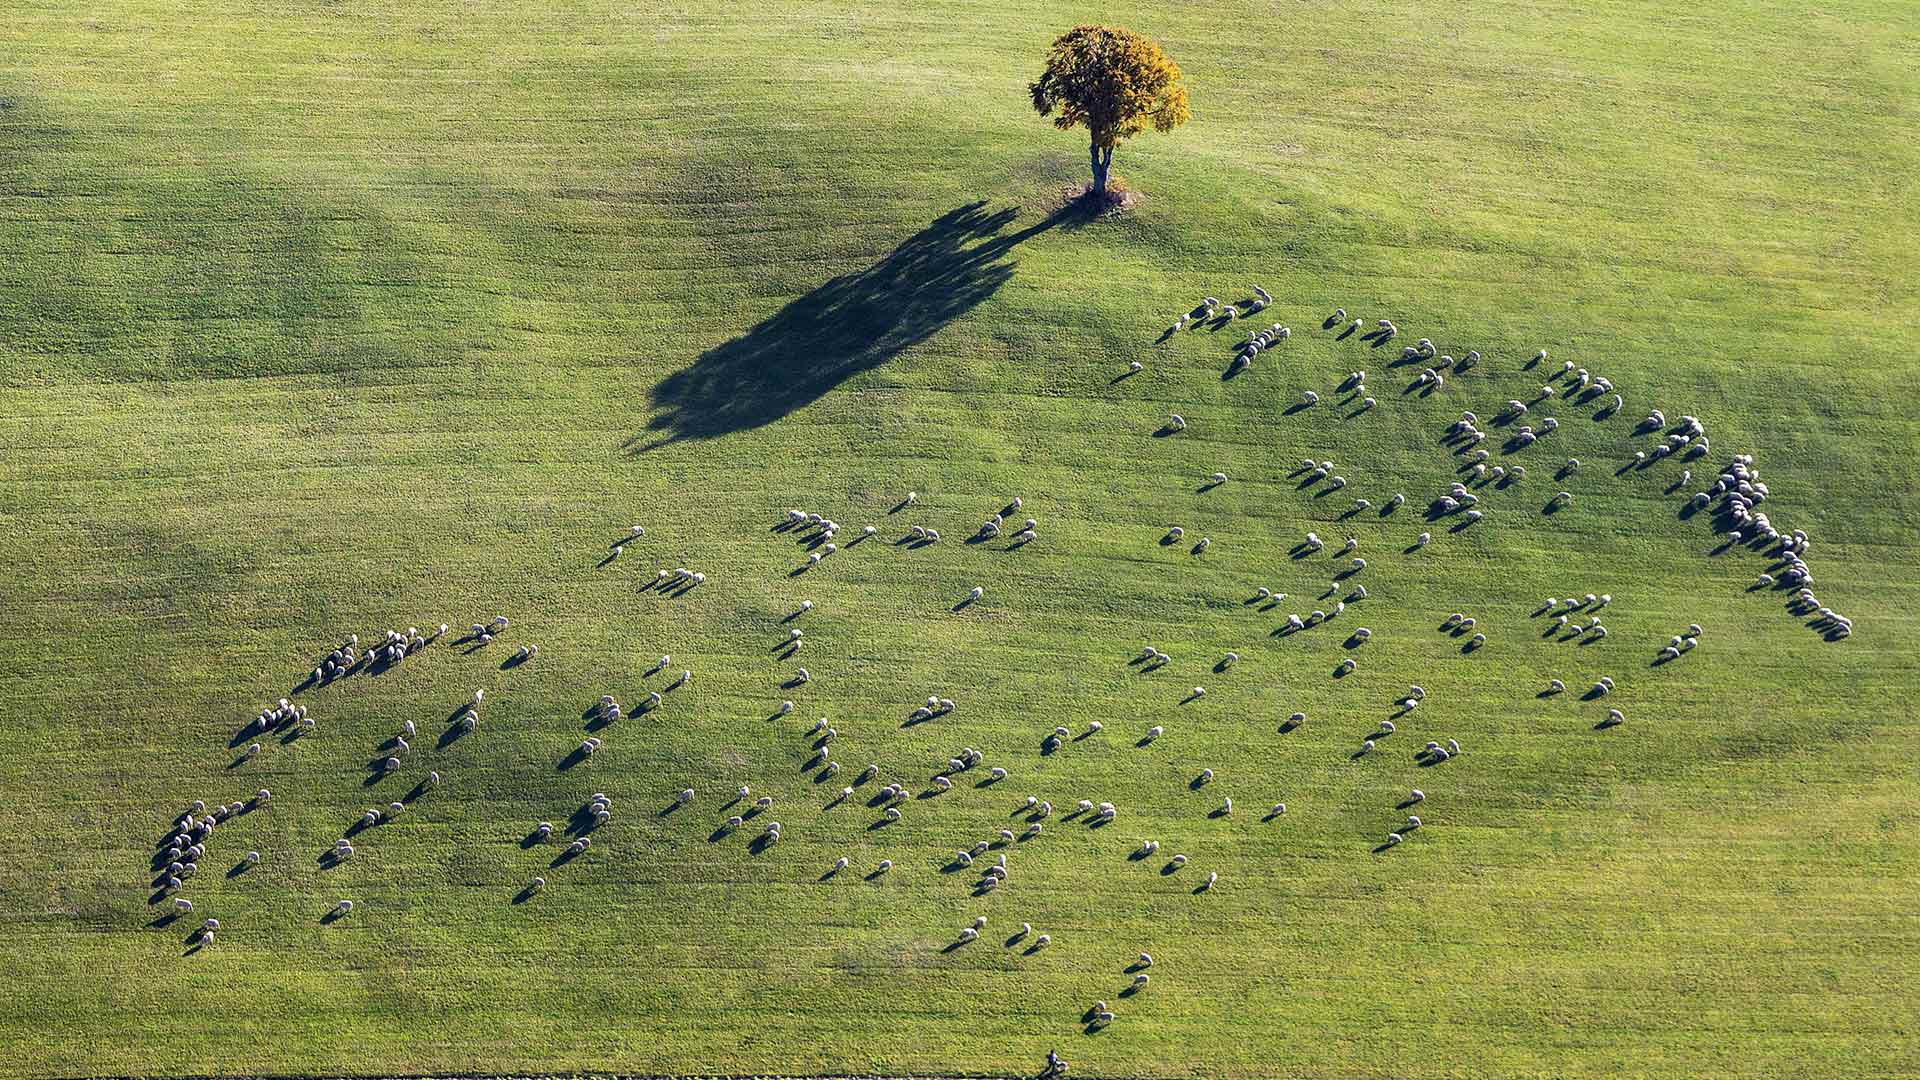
<point x="1730" y="501"/>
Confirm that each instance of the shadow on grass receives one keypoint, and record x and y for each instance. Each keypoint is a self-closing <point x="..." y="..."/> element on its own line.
<point x="853" y="323"/>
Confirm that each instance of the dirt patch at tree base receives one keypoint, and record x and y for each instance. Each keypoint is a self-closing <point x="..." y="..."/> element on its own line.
<point x="1116" y="200"/>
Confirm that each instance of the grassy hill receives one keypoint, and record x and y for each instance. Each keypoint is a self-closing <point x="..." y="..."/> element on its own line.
<point x="329" y="318"/>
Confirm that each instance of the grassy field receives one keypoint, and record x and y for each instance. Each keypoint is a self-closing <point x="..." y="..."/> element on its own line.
<point x="325" y="318"/>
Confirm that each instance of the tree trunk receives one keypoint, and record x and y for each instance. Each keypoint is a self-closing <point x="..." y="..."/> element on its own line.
<point x="1101" y="160"/>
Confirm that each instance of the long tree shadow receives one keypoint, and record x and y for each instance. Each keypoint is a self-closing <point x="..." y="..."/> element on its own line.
<point x="851" y="324"/>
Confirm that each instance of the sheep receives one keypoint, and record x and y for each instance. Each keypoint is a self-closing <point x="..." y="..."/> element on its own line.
<point x="976" y="593"/>
<point x="1155" y="732"/>
<point x="1212" y="876"/>
<point x="1226" y="807"/>
<point x="1204" y="544"/>
<point x="1423" y="540"/>
<point x="1177" y="422"/>
<point x="1033" y="829"/>
<point x="1199" y="691"/>
<point x="1140" y="980"/>
<point x="1308" y="397"/>
<point x="343" y="907"/>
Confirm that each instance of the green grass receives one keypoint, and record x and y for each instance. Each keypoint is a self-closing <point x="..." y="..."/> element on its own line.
<point x="332" y="317"/>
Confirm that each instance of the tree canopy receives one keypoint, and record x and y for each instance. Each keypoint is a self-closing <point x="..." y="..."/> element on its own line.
<point x="1113" y="82"/>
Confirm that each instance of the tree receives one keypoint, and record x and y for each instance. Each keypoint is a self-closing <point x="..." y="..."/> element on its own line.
<point x="1113" y="82"/>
